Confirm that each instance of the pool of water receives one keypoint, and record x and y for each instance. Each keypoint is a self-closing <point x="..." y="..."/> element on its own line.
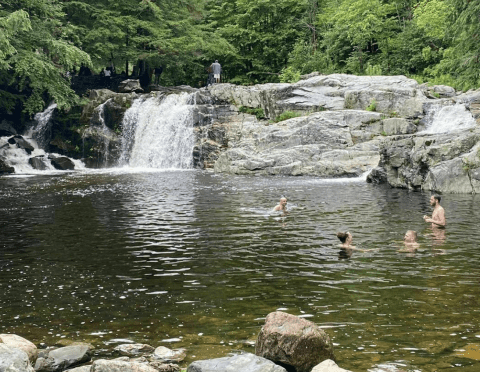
<point x="197" y="260"/>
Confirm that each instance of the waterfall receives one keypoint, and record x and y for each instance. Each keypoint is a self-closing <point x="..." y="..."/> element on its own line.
<point x="158" y="133"/>
<point x="39" y="131"/>
<point x="444" y="119"/>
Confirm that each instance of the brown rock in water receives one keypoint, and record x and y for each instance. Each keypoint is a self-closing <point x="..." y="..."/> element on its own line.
<point x="293" y="342"/>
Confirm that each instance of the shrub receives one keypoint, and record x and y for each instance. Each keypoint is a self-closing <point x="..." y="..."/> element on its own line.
<point x="286" y="115"/>
<point x="372" y="106"/>
<point x="258" y="112"/>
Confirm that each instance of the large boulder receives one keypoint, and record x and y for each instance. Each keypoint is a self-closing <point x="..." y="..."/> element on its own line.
<point x="20" y="343"/>
<point x="294" y="342"/>
<point x="129" y="86"/>
<point x="38" y="162"/>
<point x="389" y="94"/>
<point x="14" y="360"/>
<point x="326" y="144"/>
<point x="64" y="357"/>
<point x="238" y="363"/>
<point x="442" y="163"/>
<point x="62" y="162"/>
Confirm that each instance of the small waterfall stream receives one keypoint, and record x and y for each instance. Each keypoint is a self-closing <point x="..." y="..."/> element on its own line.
<point x="444" y="119"/>
<point x="158" y="133"/>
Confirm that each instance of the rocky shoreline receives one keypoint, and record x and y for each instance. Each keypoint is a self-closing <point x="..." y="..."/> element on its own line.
<point x="346" y="125"/>
<point x="286" y="343"/>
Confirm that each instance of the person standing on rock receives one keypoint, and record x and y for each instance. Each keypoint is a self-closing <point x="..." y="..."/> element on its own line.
<point x="217" y="70"/>
<point x="438" y="216"/>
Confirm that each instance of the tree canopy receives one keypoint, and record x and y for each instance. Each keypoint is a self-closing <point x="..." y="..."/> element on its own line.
<point x="256" y="41"/>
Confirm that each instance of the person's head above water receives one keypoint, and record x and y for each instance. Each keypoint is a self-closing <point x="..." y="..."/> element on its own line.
<point x="345" y="237"/>
<point x="435" y="199"/>
<point x="283" y="201"/>
<point x="410" y="236"/>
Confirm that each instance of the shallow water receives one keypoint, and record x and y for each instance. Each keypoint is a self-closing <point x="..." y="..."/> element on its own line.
<point x="196" y="260"/>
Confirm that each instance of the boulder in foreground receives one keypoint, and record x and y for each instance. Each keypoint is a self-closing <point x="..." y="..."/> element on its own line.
<point x="293" y="342"/>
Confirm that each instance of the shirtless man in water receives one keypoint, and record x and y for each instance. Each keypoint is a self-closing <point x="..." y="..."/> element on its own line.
<point x="438" y="215"/>
<point x="282" y="205"/>
<point x="410" y="241"/>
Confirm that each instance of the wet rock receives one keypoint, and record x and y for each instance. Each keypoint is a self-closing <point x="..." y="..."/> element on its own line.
<point x="20" y="343"/>
<point x="62" y="358"/>
<point x="130" y="85"/>
<point x="5" y="168"/>
<point x="328" y="366"/>
<point x="6" y="129"/>
<point x="13" y="360"/>
<point x="103" y="365"/>
<point x="167" y="355"/>
<point x="62" y="162"/>
<point x="394" y="126"/>
<point x="292" y="341"/>
<point x="134" y="349"/>
<point x="242" y="362"/>
<point x="21" y="143"/>
<point x="38" y="162"/>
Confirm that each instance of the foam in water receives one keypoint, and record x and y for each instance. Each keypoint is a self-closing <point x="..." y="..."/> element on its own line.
<point x="158" y="133"/>
<point x="444" y="119"/>
<point x="37" y="137"/>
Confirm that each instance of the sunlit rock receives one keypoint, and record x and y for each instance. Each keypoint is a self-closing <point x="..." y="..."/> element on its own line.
<point x="14" y="360"/>
<point x="168" y="355"/>
<point x="328" y="366"/>
<point x="62" y="358"/>
<point x="292" y="341"/>
<point x="241" y="362"/>
<point x="20" y="343"/>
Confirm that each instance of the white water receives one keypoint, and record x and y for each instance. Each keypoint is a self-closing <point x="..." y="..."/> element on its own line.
<point x="37" y="137"/>
<point x="39" y="132"/>
<point x="445" y="119"/>
<point x="158" y="133"/>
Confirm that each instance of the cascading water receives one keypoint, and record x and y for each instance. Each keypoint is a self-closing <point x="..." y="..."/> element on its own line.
<point x="158" y="133"/>
<point x="39" y="131"/>
<point x="444" y="119"/>
<point x="26" y="154"/>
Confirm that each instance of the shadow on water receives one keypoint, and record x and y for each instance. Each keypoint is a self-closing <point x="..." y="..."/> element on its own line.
<point x="196" y="260"/>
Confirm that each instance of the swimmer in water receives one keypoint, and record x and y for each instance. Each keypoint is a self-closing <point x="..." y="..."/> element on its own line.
<point x="346" y="248"/>
<point x="410" y="241"/>
<point x="282" y="205"/>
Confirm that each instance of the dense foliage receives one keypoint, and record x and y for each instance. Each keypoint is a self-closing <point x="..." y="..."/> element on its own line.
<point x="256" y="41"/>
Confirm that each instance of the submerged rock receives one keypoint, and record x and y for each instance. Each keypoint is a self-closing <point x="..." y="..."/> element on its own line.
<point x="292" y="341"/>
<point x="167" y="355"/>
<point x="242" y="362"/>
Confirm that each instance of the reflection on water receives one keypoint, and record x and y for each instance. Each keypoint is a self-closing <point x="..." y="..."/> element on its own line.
<point x="195" y="260"/>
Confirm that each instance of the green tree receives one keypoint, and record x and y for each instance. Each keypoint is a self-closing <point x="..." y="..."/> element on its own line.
<point x="263" y="33"/>
<point x="34" y="56"/>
